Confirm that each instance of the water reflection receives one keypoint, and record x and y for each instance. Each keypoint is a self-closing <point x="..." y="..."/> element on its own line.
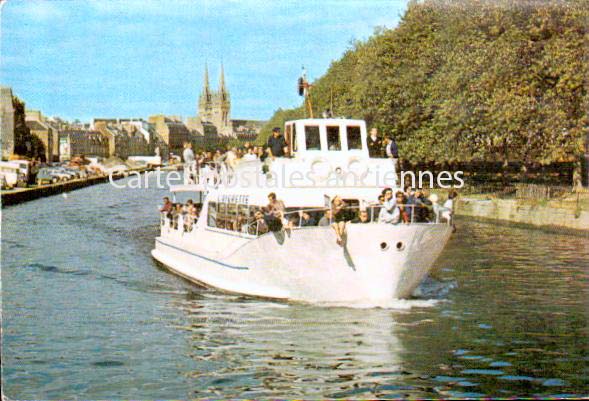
<point x="291" y="349"/>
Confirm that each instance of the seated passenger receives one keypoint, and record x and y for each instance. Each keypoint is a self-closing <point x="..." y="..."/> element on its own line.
<point x="423" y="207"/>
<point x="307" y="220"/>
<point x="275" y="206"/>
<point x="401" y="204"/>
<point x="291" y="220"/>
<point x="177" y="219"/>
<point x="374" y="211"/>
<point x="362" y="218"/>
<point x="188" y="206"/>
<point x="410" y="204"/>
<point x="191" y="218"/>
<point x="167" y="207"/>
<point x="239" y="223"/>
<point x="389" y="213"/>
<point x="340" y="216"/>
<point x="273" y="222"/>
<point x="326" y="219"/>
<point x="250" y="155"/>
<point x="261" y="226"/>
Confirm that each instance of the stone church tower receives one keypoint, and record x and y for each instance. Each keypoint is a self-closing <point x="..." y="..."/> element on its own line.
<point x="214" y="107"/>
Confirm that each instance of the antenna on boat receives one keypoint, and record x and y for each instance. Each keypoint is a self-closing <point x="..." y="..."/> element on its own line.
<point x="304" y="90"/>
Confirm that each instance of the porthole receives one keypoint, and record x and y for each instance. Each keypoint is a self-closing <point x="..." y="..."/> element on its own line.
<point x="384" y="246"/>
<point x="400" y="246"/>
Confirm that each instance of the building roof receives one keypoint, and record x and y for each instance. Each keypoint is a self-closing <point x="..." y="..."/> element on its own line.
<point x="36" y="126"/>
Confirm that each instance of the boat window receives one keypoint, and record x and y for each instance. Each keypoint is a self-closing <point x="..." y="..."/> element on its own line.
<point x="221" y="215"/>
<point x="252" y="223"/>
<point x="333" y="138"/>
<point x="354" y="138"/>
<point x="287" y="132"/>
<point x="312" y="138"/>
<point x="242" y="218"/>
<point x="294" y="137"/>
<point x="212" y="214"/>
<point x="234" y="216"/>
<point x="231" y="217"/>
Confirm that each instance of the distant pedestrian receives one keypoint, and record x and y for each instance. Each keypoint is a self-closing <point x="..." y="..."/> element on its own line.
<point x="448" y="211"/>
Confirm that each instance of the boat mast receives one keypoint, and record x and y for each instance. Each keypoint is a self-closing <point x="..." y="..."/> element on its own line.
<point x="305" y="90"/>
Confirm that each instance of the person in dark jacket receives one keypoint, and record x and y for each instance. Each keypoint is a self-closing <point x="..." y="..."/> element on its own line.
<point x="423" y="207"/>
<point x="375" y="146"/>
<point x="277" y="143"/>
<point x="307" y="220"/>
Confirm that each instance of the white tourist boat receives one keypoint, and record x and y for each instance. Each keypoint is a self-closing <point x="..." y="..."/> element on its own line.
<point x="378" y="262"/>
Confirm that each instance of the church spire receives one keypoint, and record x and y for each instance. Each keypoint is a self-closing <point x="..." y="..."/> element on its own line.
<point x="206" y="89"/>
<point x="222" y="81"/>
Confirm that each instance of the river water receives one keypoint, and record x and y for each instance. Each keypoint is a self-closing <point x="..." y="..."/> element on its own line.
<point x="88" y="314"/>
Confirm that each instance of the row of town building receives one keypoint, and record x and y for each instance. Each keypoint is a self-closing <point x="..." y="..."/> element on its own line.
<point x="57" y="140"/>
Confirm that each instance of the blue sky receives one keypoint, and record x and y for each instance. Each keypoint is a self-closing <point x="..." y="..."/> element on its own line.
<point x="133" y="58"/>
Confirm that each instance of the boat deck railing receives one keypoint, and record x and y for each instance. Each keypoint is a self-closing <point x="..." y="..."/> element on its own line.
<point x="409" y="214"/>
<point x="435" y="214"/>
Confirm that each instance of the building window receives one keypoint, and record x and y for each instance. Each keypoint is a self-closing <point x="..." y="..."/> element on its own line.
<point x="333" y="138"/>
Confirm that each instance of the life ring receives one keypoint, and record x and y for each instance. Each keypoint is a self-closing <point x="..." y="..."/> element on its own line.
<point x="321" y="168"/>
<point x="357" y="167"/>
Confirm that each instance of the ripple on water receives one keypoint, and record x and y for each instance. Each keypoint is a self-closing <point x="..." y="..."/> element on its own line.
<point x="499" y="364"/>
<point x="108" y="364"/>
<point x="490" y="372"/>
<point x="554" y="383"/>
<point x="517" y="378"/>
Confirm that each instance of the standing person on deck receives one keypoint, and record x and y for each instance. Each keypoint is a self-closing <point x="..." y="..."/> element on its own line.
<point x="277" y="143"/>
<point x="188" y="154"/>
<point x="189" y="162"/>
<point x="391" y="150"/>
<point x="374" y="144"/>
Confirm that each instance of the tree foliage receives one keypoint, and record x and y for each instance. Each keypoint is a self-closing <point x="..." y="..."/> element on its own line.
<point x="458" y="81"/>
<point x="25" y="143"/>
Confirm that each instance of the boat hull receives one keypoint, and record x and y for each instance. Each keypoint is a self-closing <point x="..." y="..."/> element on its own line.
<point x="378" y="263"/>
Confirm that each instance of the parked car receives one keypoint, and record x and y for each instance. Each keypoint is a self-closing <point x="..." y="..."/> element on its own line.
<point x="60" y="174"/>
<point x="75" y="173"/>
<point x="46" y="176"/>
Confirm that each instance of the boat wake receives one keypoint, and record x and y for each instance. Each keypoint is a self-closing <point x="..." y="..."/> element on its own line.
<point x="428" y="294"/>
